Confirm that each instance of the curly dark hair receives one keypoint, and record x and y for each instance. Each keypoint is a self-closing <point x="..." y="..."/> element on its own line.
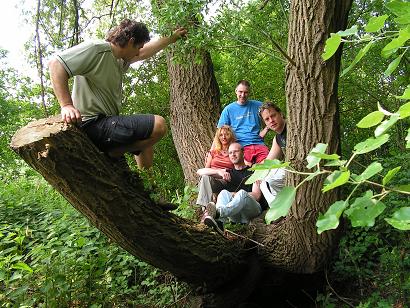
<point x="126" y="30"/>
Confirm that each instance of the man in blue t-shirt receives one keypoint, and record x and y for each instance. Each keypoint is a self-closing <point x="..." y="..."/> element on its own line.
<point x="243" y="116"/>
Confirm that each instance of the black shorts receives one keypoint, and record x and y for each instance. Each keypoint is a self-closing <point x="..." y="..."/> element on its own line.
<point x="109" y="132"/>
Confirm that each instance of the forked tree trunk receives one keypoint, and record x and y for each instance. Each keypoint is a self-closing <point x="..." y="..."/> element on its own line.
<point x="195" y="108"/>
<point x="312" y="108"/>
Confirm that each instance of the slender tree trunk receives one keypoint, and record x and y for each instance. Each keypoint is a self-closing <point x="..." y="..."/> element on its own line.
<point x="195" y="108"/>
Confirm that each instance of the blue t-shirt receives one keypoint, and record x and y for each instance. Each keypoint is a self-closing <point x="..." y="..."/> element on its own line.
<point x="244" y="120"/>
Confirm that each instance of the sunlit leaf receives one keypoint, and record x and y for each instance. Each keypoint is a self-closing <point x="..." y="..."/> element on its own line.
<point x="404" y="110"/>
<point x="387" y="178"/>
<point x="270" y="164"/>
<point x="257" y="175"/>
<point x="400" y="219"/>
<point x="22" y="266"/>
<point x="281" y="205"/>
<point x="396" y="43"/>
<point x="370" y="171"/>
<point x="347" y="32"/>
<point x="358" y="57"/>
<point x="406" y="94"/>
<point x="385" y="125"/>
<point x="313" y="175"/>
<point x="336" y="163"/>
<point x="325" y="156"/>
<point x="337" y="178"/>
<point x="370" y="144"/>
<point x="393" y="65"/>
<point x="330" y="220"/>
<point x="312" y="160"/>
<point x="375" y="23"/>
<point x="332" y="44"/>
<point x="371" y="119"/>
<point x="408" y="139"/>
<point x="364" y="210"/>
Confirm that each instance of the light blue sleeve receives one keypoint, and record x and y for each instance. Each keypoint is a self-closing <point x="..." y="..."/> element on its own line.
<point x="224" y="119"/>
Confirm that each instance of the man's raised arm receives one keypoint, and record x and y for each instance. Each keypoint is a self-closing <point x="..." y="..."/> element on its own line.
<point x="151" y="48"/>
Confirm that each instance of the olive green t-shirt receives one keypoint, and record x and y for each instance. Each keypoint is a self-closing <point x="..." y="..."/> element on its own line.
<point x="97" y="76"/>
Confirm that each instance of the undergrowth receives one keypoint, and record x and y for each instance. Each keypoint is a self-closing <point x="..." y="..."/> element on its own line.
<point x="51" y="256"/>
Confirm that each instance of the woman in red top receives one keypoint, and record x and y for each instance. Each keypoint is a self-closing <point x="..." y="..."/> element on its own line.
<point x="216" y="159"/>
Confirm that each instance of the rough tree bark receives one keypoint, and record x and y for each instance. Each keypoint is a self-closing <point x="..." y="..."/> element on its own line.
<point x="312" y="108"/>
<point x="195" y="108"/>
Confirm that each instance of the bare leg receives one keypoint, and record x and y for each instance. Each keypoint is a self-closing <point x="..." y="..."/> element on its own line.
<point x="144" y="160"/>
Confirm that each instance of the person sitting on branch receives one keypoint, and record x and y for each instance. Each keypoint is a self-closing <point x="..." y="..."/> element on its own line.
<point x="95" y="103"/>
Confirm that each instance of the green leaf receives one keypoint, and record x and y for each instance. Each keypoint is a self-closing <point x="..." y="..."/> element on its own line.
<point x="370" y="144"/>
<point x="312" y="160"/>
<point x="22" y="266"/>
<point x="375" y="23"/>
<point x="325" y="156"/>
<point x="337" y="178"/>
<point x="336" y="163"/>
<point x="332" y="44"/>
<point x="400" y="219"/>
<point x="270" y="164"/>
<point x="408" y="139"/>
<point x="351" y="31"/>
<point x="399" y="7"/>
<point x="358" y="57"/>
<point x="390" y="175"/>
<point x="370" y="171"/>
<point x="385" y="125"/>
<point x="257" y="175"/>
<point x="404" y="110"/>
<point x="281" y="205"/>
<point x="406" y="94"/>
<point x="364" y="210"/>
<point x="393" y="65"/>
<point x="405" y="187"/>
<point x="396" y="43"/>
<point x="371" y="119"/>
<point x="330" y="220"/>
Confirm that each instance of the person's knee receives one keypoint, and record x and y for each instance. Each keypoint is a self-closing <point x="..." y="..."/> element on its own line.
<point x="160" y="127"/>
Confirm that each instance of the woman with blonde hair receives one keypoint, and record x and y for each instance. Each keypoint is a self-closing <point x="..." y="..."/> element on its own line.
<point x="216" y="164"/>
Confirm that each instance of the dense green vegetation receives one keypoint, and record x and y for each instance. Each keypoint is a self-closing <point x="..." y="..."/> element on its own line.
<point x="51" y="256"/>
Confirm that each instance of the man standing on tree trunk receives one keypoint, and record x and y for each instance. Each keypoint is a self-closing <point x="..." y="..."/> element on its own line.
<point x="98" y="68"/>
<point x="243" y="117"/>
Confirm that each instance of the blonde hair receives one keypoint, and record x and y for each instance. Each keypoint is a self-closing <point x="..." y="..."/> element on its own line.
<point x="217" y="142"/>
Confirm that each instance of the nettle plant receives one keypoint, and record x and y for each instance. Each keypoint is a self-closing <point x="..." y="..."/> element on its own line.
<point x="361" y="210"/>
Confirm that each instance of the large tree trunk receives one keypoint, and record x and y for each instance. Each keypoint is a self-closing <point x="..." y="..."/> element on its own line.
<point x="114" y="200"/>
<point x="312" y="108"/>
<point x="195" y="108"/>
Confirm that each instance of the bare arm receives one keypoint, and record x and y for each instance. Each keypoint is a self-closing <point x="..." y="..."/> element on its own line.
<point x="151" y="48"/>
<point x="263" y="132"/>
<point x="216" y="173"/>
<point x="59" y="82"/>
<point x="208" y="160"/>
<point x="275" y="152"/>
<point x="256" y="192"/>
